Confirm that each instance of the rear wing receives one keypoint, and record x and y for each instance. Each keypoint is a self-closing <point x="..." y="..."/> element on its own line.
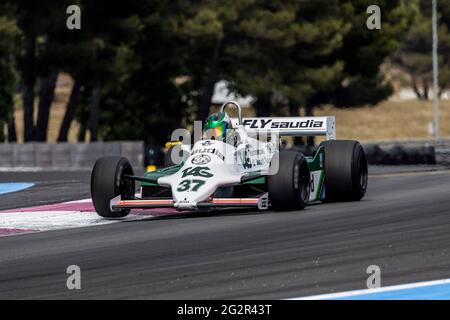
<point x="291" y="126"/>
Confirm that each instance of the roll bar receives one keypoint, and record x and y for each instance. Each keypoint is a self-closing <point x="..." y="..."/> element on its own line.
<point x="222" y="108"/>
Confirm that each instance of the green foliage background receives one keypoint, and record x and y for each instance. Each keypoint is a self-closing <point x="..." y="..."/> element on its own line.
<point x="145" y="67"/>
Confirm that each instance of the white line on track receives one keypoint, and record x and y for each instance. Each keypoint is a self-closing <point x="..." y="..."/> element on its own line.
<point x="355" y="293"/>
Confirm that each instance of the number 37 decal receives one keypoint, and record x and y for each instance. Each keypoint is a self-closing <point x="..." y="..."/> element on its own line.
<point x="190" y="185"/>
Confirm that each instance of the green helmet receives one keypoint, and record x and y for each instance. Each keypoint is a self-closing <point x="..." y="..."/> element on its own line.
<point x="216" y="125"/>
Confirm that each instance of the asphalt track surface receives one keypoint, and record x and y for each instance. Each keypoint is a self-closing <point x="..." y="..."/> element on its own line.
<point x="402" y="225"/>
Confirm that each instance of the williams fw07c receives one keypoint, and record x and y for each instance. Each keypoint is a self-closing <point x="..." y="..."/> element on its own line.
<point x="238" y="164"/>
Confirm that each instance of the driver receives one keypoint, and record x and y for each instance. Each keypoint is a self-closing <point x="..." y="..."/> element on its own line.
<point x="216" y="126"/>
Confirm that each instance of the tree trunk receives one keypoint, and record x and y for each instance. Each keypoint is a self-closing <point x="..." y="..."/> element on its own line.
<point x="70" y="112"/>
<point x="29" y="81"/>
<point x="416" y="89"/>
<point x="293" y="112"/>
<point x="293" y="109"/>
<point x="426" y="90"/>
<point x="263" y="106"/>
<point x="94" y="114"/>
<point x="82" y="132"/>
<point x="208" y="92"/>
<point x="46" y="96"/>
<point x="2" y="130"/>
<point x="12" y="136"/>
<point x="310" y="141"/>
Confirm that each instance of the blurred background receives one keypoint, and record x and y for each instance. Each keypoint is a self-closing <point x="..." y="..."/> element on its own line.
<point x="138" y="69"/>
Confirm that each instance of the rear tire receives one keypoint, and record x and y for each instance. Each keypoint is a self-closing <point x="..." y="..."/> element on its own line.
<point x="289" y="188"/>
<point x="107" y="182"/>
<point x="345" y="170"/>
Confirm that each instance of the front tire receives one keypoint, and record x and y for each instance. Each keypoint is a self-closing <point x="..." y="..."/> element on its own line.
<point x="346" y="172"/>
<point x="108" y="181"/>
<point x="289" y="188"/>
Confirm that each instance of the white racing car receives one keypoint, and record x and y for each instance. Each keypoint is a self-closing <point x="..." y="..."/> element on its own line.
<point x="238" y="164"/>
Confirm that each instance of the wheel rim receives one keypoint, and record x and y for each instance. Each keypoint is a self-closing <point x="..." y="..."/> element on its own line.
<point x="302" y="182"/>
<point x="126" y="186"/>
<point x="305" y="186"/>
<point x="363" y="176"/>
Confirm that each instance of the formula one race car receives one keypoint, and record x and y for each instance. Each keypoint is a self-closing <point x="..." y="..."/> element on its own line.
<point x="238" y="164"/>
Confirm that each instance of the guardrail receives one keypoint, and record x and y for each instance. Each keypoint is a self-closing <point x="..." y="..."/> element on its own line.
<point x="67" y="155"/>
<point x="75" y="156"/>
<point x="408" y="151"/>
<point x="400" y="152"/>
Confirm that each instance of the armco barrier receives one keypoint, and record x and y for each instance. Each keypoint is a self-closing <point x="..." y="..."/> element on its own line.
<point x="408" y="152"/>
<point x="400" y="152"/>
<point x="67" y="155"/>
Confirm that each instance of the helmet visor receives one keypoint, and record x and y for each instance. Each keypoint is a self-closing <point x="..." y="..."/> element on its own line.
<point x="215" y="133"/>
